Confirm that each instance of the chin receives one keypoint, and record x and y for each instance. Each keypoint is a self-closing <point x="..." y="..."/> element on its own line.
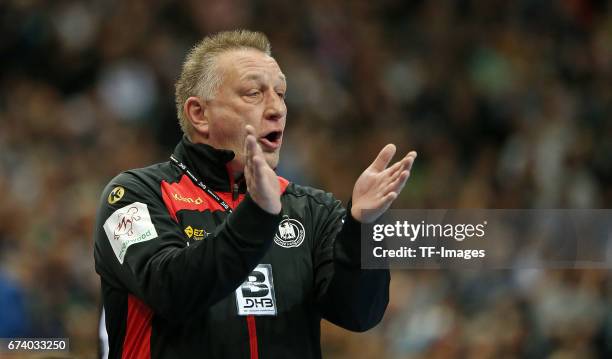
<point x="272" y="159"/>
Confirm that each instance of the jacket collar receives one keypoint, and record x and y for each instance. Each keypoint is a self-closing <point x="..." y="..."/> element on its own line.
<point x="209" y="164"/>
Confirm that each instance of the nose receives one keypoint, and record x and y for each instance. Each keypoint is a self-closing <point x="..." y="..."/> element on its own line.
<point x="275" y="107"/>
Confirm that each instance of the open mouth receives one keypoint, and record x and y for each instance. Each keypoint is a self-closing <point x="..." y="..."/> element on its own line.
<point x="272" y="140"/>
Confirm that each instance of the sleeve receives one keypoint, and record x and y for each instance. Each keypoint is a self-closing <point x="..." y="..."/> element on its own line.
<point x="348" y="296"/>
<point x="140" y="248"/>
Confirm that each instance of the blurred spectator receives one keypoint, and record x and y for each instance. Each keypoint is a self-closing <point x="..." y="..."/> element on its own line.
<point x="14" y="318"/>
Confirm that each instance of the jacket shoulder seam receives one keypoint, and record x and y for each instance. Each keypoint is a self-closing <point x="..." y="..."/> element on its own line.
<point x="305" y="192"/>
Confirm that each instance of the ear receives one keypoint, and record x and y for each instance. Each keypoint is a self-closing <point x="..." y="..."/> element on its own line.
<point x="195" y="111"/>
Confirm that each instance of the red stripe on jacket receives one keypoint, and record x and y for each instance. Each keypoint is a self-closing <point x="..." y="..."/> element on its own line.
<point x="185" y="194"/>
<point x="252" y="336"/>
<point x="137" y="341"/>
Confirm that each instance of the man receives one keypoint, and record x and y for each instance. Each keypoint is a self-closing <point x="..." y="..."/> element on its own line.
<point x="211" y="254"/>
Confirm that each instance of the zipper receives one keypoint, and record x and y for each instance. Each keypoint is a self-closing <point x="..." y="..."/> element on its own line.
<point x="235" y="188"/>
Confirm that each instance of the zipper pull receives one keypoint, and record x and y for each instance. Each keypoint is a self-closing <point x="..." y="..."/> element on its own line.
<point x="235" y="191"/>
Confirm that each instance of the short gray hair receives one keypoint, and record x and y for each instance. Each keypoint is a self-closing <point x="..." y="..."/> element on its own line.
<point x="200" y="76"/>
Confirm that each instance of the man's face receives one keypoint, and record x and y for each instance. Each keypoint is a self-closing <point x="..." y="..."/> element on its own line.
<point x="252" y="92"/>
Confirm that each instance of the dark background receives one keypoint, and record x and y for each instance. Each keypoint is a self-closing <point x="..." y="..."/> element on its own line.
<point x="507" y="102"/>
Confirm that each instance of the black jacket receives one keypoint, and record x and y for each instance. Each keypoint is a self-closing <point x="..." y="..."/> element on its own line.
<point x="176" y="269"/>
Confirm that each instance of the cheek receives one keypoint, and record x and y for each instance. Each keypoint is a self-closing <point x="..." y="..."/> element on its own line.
<point x="224" y="123"/>
<point x="227" y="127"/>
<point x="224" y="131"/>
<point x="252" y="115"/>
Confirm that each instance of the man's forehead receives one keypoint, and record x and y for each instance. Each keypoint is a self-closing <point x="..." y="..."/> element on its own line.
<point x="250" y="65"/>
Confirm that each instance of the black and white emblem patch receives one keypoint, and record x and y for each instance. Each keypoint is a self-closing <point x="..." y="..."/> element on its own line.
<point x="256" y="295"/>
<point x="290" y="233"/>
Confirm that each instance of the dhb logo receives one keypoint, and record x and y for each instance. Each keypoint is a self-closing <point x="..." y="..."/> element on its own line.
<point x="258" y="303"/>
<point x="255" y="285"/>
<point x="256" y="295"/>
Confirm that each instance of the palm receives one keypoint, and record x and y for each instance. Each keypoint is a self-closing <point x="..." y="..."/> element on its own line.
<point x="378" y="186"/>
<point x="262" y="182"/>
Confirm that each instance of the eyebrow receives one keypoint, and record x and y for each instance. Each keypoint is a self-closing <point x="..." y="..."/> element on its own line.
<point x="257" y="77"/>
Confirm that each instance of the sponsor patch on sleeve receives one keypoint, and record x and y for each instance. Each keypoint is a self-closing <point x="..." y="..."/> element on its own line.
<point x="129" y="225"/>
<point x="116" y="194"/>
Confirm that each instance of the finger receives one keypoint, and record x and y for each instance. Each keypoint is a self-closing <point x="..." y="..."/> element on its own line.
<point x="251" y="152"/>
<point x="251" y="147"/>
<point x="400" y="166"/>
<point x="385" y="202"/>
<point x="408" y="160"/>
<point x="388" y="199"/>
<point x="404" y="163"/>
<point x="258" y="167"/>
<point x="384" y="157"/>
<point x="391" y="177"/>
<point x="257" y="150"/>
<point x="250" y="130"/>
<point x="394" y="168"/>
<point x="255" y="176"/>
<point x="398" y="184"/>
<point x="251" y="133"/>
<point x="401" y="180"/>
<point x="412" y="155"/>
<point x="249" y="140"/>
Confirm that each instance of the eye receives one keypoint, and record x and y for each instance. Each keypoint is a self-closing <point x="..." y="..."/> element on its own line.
<point x="253" y="93"/>
<point x="281" y="95"/>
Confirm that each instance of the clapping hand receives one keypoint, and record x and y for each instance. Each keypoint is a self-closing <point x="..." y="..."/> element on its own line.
<point x="262" y="182"/>
<point x="378" y="186"/>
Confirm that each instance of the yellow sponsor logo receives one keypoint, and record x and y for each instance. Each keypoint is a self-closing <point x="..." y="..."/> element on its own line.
<point x="115" y="195"/>
<point x="196" y="234"/>
<point x="196" y="201"/>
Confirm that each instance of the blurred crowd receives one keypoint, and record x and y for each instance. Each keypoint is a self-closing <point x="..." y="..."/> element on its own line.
<point x="507" y="103"/>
